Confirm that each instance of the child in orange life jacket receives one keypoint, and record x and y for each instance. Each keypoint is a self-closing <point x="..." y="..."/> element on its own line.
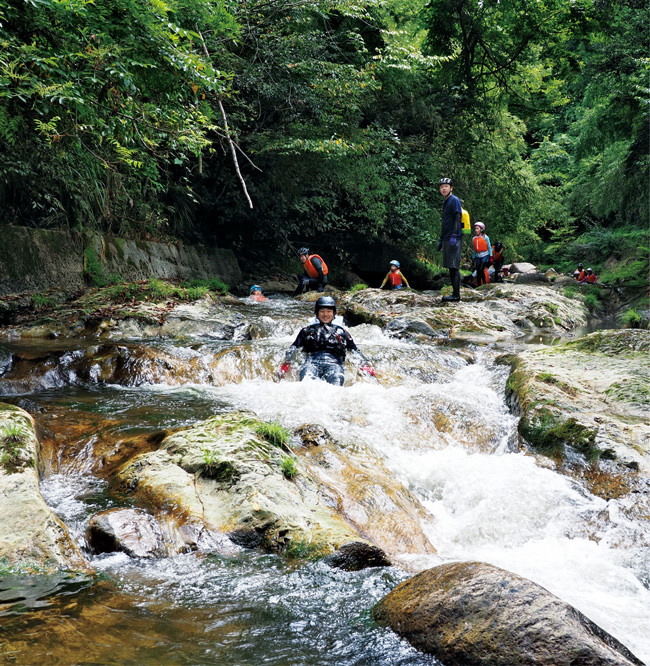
<point x="482" y="254"/>
<point x="589" y="277"/>
<point x="256" y="294"/>
<point x="395" y="277"/>
<point x="581" y="273"/>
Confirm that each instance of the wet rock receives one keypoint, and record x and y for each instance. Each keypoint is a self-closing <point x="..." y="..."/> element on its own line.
<point x="356" y="556"/>
<point x="522" y="267"/>
<point x="224" y="475"/>
<point x="471" y="614"/>
<point x="313" y="435"/>
<point x="589" y="394"/>
<point x="131" y="531"/>
<point x="491" y="313"/>
<point x="31" y="535"/>
<point x="530" y="278"/>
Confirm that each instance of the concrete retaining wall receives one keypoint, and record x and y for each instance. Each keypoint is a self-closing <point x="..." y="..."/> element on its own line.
<point x="35" y="260"/>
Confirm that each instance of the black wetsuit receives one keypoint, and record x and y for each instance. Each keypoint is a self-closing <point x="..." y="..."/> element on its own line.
<point x="325" y="345"/>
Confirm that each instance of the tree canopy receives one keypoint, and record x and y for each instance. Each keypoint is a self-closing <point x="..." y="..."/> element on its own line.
<point x="276" y="122"/>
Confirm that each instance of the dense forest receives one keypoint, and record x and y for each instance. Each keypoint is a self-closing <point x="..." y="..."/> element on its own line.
<point x="258" y="124"/>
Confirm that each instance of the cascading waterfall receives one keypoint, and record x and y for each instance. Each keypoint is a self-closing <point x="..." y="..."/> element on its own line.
<point x="438" y="421"/>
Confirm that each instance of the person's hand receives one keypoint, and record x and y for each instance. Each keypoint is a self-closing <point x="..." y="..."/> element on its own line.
<point x="284" y="368"/>
<point x="439" y="245"/>
<point x="368" y="370"/>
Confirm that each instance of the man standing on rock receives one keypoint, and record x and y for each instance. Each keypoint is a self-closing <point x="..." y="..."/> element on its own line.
<point x="451" y="235"/>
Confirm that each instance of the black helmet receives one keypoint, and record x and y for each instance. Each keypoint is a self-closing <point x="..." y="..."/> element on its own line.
<point x="325" y="302"/>
<point x="445" y="181"/>
<point x="498" y="245"/>
<point x="303" y="250"/>
<point x="580" y="266"/>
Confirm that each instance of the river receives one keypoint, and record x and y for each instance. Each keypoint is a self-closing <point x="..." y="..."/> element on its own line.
<point x="437" y="418"/>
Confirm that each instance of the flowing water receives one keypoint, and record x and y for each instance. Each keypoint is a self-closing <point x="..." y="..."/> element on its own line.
<point x="437" y="419"/>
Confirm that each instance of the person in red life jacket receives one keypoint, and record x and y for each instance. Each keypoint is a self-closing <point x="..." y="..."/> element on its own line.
<point x="589" y="277"/>
<point x="497" y="259"/>
<point x="325" y="344"/>
<point x="451" y="234"/>
<point x="315" y="272"/>
<point x="256" y="294"/>
<point x="581" y="273"/>
<point x="482" y="254"/>
<point x="394" y="277"/>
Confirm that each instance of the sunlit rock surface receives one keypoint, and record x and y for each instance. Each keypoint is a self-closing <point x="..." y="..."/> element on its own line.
<point x="591" y="394"/>
<point x="222" y="474"/>
<point x="491" y="313"/>
<point x="131" y="531"/>
<point x="471" y="614"/>
<point x="31" y="536"/>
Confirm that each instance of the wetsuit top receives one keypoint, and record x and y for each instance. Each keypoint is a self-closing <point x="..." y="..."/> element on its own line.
<point x="395" y="279"/>
<point x="452" y="215"/>
<point x="329" y="338"/>
<point x="315" y="267"/>
<point x="482" y="247"/>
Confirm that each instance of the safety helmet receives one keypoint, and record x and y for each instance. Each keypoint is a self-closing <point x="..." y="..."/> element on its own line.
<point x="498" y="245"/>
<point x="325" y="302"/>
<point x="589" y="270"/>
<point x="480" y="225"/>
<point x="580" y="265"/>
<point x="445" y="181"/>
<point x="255" y="287"/>
<point x="394" y="263"/>
<point x="303" y="250"/>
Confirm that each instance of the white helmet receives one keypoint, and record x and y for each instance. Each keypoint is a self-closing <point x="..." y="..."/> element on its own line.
<point x="394" y="263"/>
<point x="480" y="225"/>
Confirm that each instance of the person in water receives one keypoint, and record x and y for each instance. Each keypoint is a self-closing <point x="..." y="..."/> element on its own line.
<point x="315" y="272"/>
<point x="325" y="344"/>
<point x="482" y="254"/>
<point x="256" y="294"/>
<point x="395" y="277"/>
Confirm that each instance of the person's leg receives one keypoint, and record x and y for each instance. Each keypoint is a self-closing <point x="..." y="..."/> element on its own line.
<point x="454" y="276"/>
<point x="480" y="272"/>
<point x="333" y="373"/>
<point x="309" y="370"/>
<point x="301" y="285"/>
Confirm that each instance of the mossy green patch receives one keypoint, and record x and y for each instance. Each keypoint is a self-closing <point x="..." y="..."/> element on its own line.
<point x="549" y="435"/>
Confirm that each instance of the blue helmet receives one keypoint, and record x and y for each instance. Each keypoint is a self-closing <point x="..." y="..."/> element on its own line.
<point x="394" y="263"/>
<point x="255" y="287"/>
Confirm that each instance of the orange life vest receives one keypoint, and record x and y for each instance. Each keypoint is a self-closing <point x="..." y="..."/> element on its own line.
<point x="258" y="297"/>
<point x="311" y="270"/>
<point x="582" y="275"/>
<point x="395" y="278"/>
<point x="480" y="244"/>
<point x="498" y="256"/>
<point x="591" y="279"/>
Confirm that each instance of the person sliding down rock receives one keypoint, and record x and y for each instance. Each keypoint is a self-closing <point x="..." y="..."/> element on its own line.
<point x="325" y="344"/>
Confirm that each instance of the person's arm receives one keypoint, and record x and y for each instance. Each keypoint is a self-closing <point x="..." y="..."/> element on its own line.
<point x="406" y="282"/>
<point x="487" y="238"/>
<point x="381" y="286"/>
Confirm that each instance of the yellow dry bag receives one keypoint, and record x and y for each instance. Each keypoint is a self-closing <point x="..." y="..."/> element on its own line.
<point x="467" y="227"/>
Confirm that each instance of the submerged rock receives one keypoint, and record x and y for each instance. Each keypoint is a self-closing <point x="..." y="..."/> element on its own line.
<point x="471" y="614"/>
<point x="356" y="556"/>
<point x="31" y="535"/>
<point x="131" y="531"/>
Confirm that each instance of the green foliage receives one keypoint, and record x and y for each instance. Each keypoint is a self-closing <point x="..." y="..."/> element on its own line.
<point x="549" y="435"/>
<point x="215" y="468"/>
<point x="213" y="284"/>
<point x="42" y="301"/>
<point x="360" y="286"/>
<point x="274" y="433"/>
<point x="288" y="467"/>
<point x="13" y="437"/>
<point x="632" y="319"/>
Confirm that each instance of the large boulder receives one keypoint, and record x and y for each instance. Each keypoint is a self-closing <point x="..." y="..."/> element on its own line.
<point x="590" y="394"/>
<point x="475" y="614"/>
<point x="225" y="476"/>
<point x="31" y="535"/>
<point x="494" y="312"/>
